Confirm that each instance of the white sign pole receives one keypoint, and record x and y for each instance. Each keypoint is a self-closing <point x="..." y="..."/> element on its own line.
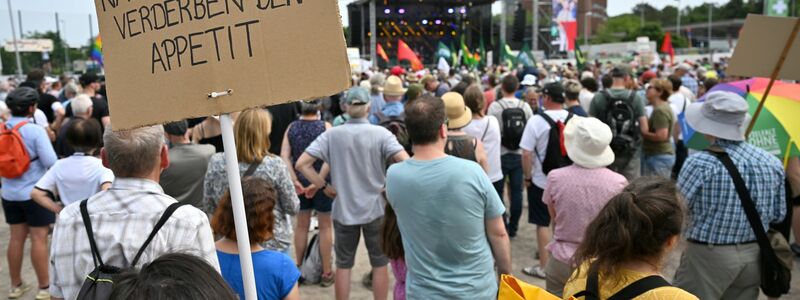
<point x="237" y="202"/>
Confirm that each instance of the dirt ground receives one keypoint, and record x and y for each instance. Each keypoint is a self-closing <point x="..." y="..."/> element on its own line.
<point x="523" y="248"/>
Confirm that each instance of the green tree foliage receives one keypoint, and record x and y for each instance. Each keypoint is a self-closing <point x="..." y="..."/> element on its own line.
<point x="627" y="27"/>
<point x="32" y="60"/>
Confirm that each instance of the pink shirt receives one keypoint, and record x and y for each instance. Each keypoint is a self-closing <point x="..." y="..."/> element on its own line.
<point x="577" y="195"/>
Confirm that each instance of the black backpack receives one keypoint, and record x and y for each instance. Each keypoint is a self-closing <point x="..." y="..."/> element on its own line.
<point x="555" y="155"/>
<point x="514" y="120"/>
<point x="397" y="126"/>
<point x="621" y="117"/>
<point x="100" y="282"/>
<point x="631" y="291"/>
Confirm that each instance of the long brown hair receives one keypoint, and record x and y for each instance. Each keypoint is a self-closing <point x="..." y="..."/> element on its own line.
<point x="391" y="240"/>
<point x="634" y="226"/>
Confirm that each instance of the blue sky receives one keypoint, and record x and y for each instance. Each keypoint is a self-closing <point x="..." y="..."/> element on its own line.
<point x="39" y="15"/>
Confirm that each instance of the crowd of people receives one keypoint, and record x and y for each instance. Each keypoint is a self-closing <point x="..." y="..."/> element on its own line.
<point x="420" y="164"/>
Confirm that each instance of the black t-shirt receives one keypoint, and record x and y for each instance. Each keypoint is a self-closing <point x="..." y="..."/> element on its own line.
<point x="63" y="149"/>
<point x="282" y="116"/>
<point x="99" y="109"/>
<point x="45" y="104"/>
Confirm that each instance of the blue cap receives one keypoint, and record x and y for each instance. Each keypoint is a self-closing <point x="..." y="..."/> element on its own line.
<point x="357" y="95"/>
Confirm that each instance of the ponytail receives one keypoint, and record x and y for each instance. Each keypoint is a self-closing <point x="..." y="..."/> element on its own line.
<point x="633" y="226"/>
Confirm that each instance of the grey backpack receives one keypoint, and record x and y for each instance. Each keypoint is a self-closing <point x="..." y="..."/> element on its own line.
<point x="311" y="269"/>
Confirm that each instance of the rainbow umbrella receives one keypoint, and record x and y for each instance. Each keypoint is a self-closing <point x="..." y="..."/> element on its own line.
<point x="777" y="129"/>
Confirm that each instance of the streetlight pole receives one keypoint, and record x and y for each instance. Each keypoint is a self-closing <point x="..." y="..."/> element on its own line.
<point x="678" y="27"/>
<point x="14" y="39"/>
<point x="641" y="14"/>
<point x="535" y="38"/>
<point x="710" y="53"/>
<point x="586" y="19"/>
<point x="67" y="63"/>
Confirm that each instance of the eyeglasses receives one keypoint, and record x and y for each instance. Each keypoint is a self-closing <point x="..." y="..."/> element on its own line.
<point x="446" y="122"/>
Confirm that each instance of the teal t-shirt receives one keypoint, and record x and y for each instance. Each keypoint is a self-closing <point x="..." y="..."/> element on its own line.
<point x="441" y="206"/>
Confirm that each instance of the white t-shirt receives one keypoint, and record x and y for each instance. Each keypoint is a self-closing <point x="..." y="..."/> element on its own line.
<point x="487" y="130"/>
<point x="536" y="136"/>
<point x="75" y="178"/>
<point x="39" y="118"/>
<point x="585" y="97"/>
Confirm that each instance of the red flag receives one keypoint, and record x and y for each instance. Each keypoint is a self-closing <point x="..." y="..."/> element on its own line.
<point x="382" y="53"/>
<point x="405" y="53"/>
<point x="666" y="47"/>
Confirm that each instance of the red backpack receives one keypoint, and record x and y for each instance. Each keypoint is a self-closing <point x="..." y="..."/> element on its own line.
<point x="14" y="158"/>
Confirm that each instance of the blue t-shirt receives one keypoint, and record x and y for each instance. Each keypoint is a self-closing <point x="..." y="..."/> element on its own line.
<point x="275" y="273"/>
<point x="441" y="207"/>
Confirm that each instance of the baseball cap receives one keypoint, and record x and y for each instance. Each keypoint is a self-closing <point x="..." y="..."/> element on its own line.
<point x="357" y="96"/>
<point x="554" y="90"/>
<point x="621" y="70"/>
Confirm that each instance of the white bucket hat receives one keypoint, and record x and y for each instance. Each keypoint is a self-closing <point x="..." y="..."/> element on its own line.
<point x="528" y="80"/>
<point x="587" y="141"/>
<point x="722" y="114"/>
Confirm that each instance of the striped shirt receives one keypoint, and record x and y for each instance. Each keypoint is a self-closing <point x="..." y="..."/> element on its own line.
<point x="122" y="218"/>
<point x="715" y="210"/>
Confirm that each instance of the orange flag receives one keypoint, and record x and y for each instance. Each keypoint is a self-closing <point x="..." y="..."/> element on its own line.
<point x="382" y="53"/>
<point x="405" y="53"/>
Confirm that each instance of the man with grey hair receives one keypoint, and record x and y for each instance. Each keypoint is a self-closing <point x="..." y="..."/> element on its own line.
<point x="82" y="109"/>
<point x="124" y="215"/>
<point x="359" y="203"/>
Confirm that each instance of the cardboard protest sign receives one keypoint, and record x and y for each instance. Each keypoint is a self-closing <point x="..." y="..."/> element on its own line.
<point x="761" y="43"/>
<point x="163" y="57"/>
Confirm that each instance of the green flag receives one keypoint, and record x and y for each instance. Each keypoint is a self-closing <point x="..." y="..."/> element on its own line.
<point x="443" y="51"/>
<point x="482" y="51"/>
<point x="580" y="60"/>
<point x="506" y="57"/>
<point x="453" y="53"/>
<point x="525" y="56"/>
<point x="466" y="56"/>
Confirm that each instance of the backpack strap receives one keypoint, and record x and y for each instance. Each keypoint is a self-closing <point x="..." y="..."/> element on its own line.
<point x="250" y="170"/>
<point x="164" y="217"/>
<point x="87" y="223"/>
<point x="631" y="291"/>
<point x="19" y="125"/>
<point x="485" y="130"/>
<point x="640" y="287"/>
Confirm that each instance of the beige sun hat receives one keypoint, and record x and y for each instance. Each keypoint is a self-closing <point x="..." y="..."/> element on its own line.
<point x="394" y="87"/>
<point x="458" y="114"/>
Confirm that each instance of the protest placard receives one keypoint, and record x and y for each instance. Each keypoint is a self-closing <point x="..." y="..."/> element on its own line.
<point x="163" y="57"/>
<point x="761" y="43"/>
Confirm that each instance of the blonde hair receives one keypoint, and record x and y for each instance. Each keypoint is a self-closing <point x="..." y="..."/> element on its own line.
<point x="252" y="130"/>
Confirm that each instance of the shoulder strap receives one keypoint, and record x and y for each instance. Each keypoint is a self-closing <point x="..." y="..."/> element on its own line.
<point x="639" y="287"/>
<point x="631" y="97"/>
<point x="569" y="117"/>
<point x="87" y="223"/>
<point x="19" y="125"/>
<point x="164" y="217"/>
<point x="485" y="130"/>
<point x="547" y="119"/>
<point x="250" y="170"/>
<point x="747" y="201"/>
<point x="592" y="291"/>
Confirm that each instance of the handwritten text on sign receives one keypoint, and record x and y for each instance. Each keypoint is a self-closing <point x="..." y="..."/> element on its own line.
<point x="180" y="50"/>
<point x="163" y="57"/>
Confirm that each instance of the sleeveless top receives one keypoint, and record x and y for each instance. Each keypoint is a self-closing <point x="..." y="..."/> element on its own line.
<point x="301" y="134"/>
<point x="462" y="146"/>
